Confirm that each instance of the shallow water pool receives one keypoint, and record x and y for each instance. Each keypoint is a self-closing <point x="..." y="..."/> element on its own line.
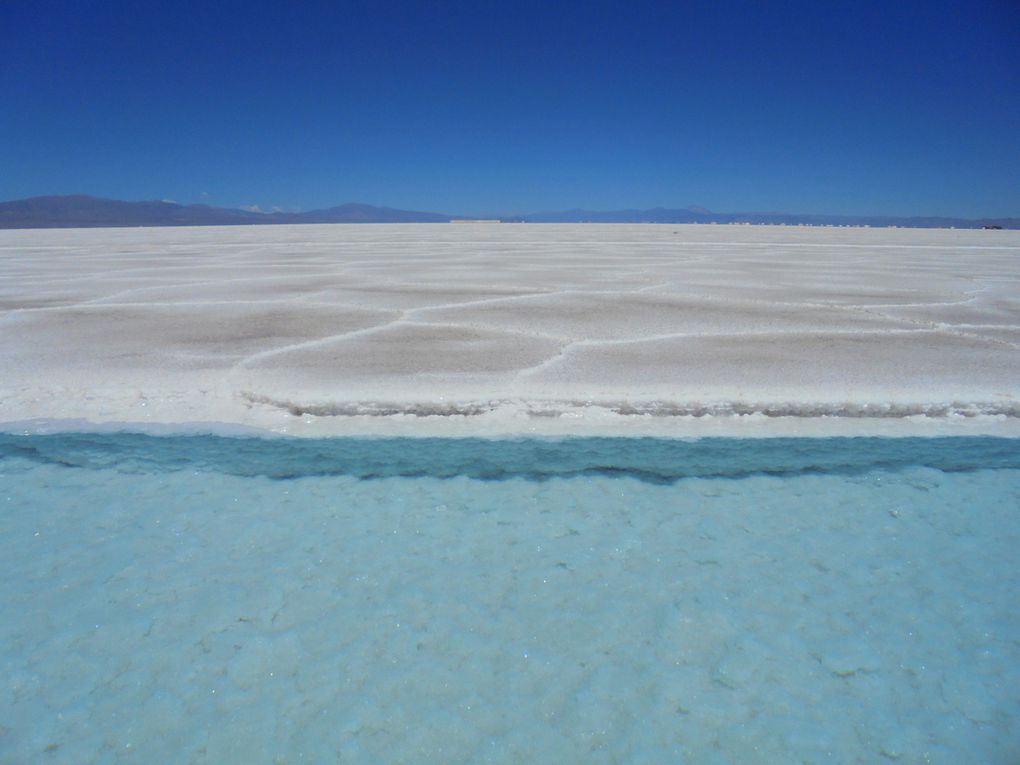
<point x="243" y="600"/>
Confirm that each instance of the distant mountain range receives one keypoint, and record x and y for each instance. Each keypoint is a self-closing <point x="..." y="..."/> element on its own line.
<point x="701" y="215"/>
<point x="80" y="211"/>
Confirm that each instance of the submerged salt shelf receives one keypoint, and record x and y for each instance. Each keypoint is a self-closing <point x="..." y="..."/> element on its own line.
<point x="222" y="600"/>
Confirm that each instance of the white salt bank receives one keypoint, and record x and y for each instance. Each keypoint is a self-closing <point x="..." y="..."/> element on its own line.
<point x="514" y="328"/>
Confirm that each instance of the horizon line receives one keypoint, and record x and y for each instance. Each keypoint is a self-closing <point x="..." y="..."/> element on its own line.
<point x="693" y="209"/>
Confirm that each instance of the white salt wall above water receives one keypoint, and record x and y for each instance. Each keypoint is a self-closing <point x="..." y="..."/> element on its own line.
<point x="298" y="328"/>
<point x="195" y="616"/>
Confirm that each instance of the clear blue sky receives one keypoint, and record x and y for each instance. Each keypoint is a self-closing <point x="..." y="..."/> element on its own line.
<point x="513" y="107"/>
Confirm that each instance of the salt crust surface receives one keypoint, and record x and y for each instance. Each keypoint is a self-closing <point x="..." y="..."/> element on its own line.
<point x="194" y="617"/>
<point x="554" y="329"/>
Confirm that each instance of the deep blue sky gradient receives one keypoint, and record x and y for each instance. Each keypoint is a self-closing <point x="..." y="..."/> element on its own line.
<point x="514" y="107"/>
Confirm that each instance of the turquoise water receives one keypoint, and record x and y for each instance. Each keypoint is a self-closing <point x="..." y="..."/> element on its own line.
<point x="240" y="600"/>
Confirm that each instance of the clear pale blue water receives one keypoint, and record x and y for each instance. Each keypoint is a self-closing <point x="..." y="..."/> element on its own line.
<point x="239" y="600"/>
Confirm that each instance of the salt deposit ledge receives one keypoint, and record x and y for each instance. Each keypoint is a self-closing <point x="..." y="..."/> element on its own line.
<point x="440" y="329"/>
